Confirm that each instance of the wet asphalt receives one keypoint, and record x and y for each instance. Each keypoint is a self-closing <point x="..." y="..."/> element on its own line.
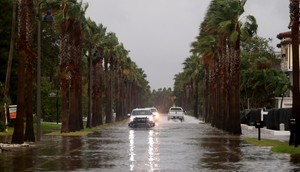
<point x="169" y="146"/>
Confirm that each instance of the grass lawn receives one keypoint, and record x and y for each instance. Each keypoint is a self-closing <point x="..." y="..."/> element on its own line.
<point x="277" y="146"/>
<point x="46" y="127"/>
<point x="10" y="131"/>
<point x="83" y="132"/>
<point x="53" y="129"/>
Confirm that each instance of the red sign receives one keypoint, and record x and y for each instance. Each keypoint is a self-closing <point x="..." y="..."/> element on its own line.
<point x="12" y="111"/>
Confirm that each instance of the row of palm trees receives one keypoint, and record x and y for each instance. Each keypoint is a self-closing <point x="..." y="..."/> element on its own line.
<point x="216" y="59"/>
<point x="188" y="85"/>
<point x="114" y="80"/>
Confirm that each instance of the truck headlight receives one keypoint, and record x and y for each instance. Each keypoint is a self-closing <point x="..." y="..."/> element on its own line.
<point x="156" y="115"/>
<point x="150" y="118"/>
<point x="131" y="118"/>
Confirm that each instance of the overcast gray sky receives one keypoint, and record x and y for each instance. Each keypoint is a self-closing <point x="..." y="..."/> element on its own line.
<point x="158" y="33"/>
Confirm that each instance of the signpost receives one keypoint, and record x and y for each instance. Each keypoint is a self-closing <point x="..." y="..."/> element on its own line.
<point x="12" y="111"/>
<point x="55" y="95"/>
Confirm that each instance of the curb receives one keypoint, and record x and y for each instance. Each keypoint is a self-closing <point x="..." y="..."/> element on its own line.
<point x="266" y="131"/>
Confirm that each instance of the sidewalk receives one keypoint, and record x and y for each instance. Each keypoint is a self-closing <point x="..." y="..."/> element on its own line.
<point x="251" y="131"/>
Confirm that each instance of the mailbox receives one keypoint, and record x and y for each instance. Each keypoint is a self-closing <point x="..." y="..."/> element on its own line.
<point x="258" y="124"/>
<point x="292" y="125"/>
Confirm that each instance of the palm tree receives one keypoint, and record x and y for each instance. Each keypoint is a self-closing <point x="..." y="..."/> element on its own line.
<point x="122" y="54"/>
<point x="125" y="93"/>
<point x="18" y="135"/>
<point x="90" y="41"/>
<point x="109" y="54"/>
<point x="179" y="92"/>
<point x="62" y="22"/>
<point x="94" y="36"/>
<point x="205" y="47"/>
<point x="222" y="31"/>
<point x="69" y="20"/>
<point x="192" y="71"/>
<point x="97" y="77"/>
<point x="25" y="68"/>
<point x="76" y="38"/>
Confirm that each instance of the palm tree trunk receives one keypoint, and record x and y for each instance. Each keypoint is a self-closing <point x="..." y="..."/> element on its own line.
<point x="18" y="135"/>
<point x="108" y="93"/>
<point x="64" y="83"/>
<point x="75" y="122"/>
<point x="97" y="87"/>
<point x="294" y="7"/>
<point x="90" y="92"/>
<point x="235" y="118"/>
<point x="95" y="84"/>
<point x="29" y="132"/>
<point x="118" y="96"/>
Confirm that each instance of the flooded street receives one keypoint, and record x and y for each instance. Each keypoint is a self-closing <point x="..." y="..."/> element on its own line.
<point x="169" y="146"/>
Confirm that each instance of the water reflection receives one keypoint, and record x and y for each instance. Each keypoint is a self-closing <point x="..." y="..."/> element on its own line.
<point x="149" y="157"/>
<point x="131" y="149"/>
<point x="71" y="152"/>
<point x="221" y="153"/>
<point x="153" y="151"/>
<point x="21" y="162"/>
<point x="295" y="160"/>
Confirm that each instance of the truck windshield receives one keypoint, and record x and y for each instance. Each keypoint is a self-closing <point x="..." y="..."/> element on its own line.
<point x="141" y="112"/>
<point x="175" y="109"/>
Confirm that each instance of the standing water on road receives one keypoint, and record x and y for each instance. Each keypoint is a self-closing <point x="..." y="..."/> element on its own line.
<point x="169" y="146"/>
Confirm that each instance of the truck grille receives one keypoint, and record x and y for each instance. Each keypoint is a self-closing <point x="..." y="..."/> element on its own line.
<point x="140" y="120"/>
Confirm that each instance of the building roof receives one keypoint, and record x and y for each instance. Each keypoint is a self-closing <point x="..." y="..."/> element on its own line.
<point x="284" y="35"/>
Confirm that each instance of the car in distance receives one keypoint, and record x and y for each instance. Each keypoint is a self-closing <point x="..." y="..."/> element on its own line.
<point x="176" y="113"/>
<point x="141" y="117"/>
<point x="155" y="113"/>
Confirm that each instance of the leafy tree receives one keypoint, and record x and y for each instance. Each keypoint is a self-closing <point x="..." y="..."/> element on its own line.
<point x="8" y="72"/>
<point x="261" y="80"/>
<point x="11" y="47"/>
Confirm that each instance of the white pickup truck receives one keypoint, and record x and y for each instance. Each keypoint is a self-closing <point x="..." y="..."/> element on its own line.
<point x="176" y="113"/>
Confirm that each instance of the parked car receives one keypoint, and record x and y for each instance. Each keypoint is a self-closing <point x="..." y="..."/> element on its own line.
<point x="141" y="117"/>
<point x="176" y="113"/>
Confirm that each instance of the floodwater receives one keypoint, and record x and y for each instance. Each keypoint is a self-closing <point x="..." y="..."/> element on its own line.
<point x="169" y="146"/>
